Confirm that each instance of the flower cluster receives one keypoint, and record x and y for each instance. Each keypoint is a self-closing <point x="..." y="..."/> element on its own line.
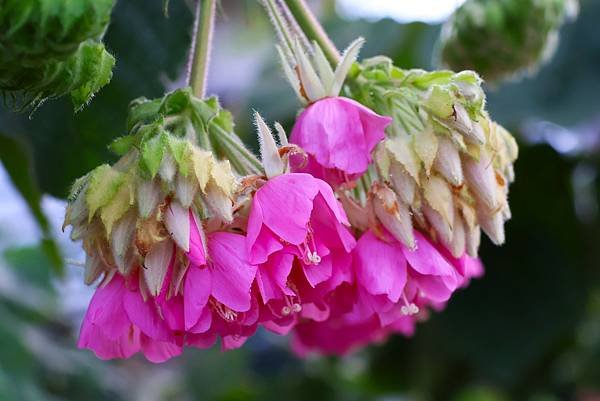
<point x="362" y="224"/>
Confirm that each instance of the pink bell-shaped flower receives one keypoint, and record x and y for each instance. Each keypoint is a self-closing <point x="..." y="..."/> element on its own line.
<point x="338" y="134"/>
<point x="297" y="235"/>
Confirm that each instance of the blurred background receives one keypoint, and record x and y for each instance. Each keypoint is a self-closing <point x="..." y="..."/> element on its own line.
<point x="528" y="330"/>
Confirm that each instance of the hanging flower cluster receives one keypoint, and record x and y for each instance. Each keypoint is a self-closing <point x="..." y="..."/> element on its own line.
<point x="356" y="229"/>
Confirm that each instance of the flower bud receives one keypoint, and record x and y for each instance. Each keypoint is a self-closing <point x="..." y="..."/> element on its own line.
<point x="447" y="162"/>
<point x="393" y="215"/>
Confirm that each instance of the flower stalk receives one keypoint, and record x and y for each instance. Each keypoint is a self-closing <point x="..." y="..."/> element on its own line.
<point x="204" y="23"/>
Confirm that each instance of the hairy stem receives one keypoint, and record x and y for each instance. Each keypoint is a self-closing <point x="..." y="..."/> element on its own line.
<point x="204" y="23"/>
<point x="313" y="29"/>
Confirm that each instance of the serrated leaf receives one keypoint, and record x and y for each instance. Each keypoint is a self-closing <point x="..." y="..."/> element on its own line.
<point x="121" y="145"/>
<point x="96" y="72"/>
<point x="152" y="152"/>
<point x="182" y="153"/>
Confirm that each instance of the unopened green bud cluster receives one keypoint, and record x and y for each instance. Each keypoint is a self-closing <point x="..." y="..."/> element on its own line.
<point x="502" y="38"/>
<point x="52" y="48"/>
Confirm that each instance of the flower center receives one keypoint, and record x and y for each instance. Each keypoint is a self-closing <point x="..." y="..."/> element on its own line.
<point x="409" y="308"/>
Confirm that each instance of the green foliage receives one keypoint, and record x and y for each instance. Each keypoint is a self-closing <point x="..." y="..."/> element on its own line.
<point x="500" y="38"/>
<point x="33" y="31"/>
<point x="16" y="159"/>
<point x="80" y="76"/>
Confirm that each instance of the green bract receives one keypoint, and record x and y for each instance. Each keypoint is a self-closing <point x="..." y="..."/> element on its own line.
<point x="501" y="38"/>
<point x="185" y="117"/>
<point x="80" y="76"/>
<point x="33" y="31"/>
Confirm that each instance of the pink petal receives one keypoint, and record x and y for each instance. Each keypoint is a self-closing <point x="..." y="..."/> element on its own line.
<point x="316" y="274"/>
<point x="122" y="347"/>
<point x="196" y="255"/>
<point x="291" y="194"/>
<point x="340" y="133"/>
<point x="196" y="291"/>
<point x="272" y="276"/>
<point x="145" y="316"/>
<point x="105" y="312"/>
<point x="434" y="288"/>
<point x="159" y="351"/>
<point x="380" y="266"/>
<point x="202" y="341"/>
<point x="232" y="275"/>
<point x="204" y="322"/>
<point x="425" y="259"/>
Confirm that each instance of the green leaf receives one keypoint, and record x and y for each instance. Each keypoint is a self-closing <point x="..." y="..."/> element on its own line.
<point x="17" y="162"/>
<point x="440" y="102"/>
<point x="121" y="145"/>
<point x="97" y="66"/>
<point x="182" y="154"/>
<point x="153" y="151"/>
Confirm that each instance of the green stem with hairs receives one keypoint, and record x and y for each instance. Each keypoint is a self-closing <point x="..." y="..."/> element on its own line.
<point x="313" y="29"/>
<point x="204" y="23"/>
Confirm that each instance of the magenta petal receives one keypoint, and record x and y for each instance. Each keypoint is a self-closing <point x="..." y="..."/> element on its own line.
<point x="204" y="322"/>
<point x="316" y="274"/>
<point x="145" y="316"/>
<point x="266" y="244"/>
<point x="292" y="193"/>
<point x="232" y="275"/>
<point x="272" y="276"/>
<point x="122" y="347"/>
<point x="425" y="259"/>
<point x="196" y="254"/>
<point x="340" y="133"/>
<point x="173" y="313"/>
<point x="380" y="266"/>
<point x="196" y="291"/>
<point x="202" y="341"/>
<point x="434" y="288"/>
<point x="106" y="311"/>
<point x="159" y="351"/>
<point x="232" y="342"/>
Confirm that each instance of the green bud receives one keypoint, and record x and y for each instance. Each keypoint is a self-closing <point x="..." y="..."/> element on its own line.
<point x="33" y="31"/>
<point x="499" y="39"/>
<point x="80" y="76"/>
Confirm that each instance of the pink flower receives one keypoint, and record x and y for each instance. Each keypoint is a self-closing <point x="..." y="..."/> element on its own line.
<point x="339" y="135"/>
<point x="215" y="301"/>
<point x="297" y="235"/>
<point x="118" y="324"/>
<point x="394" y="281"/>
<point x="217" y="296"/>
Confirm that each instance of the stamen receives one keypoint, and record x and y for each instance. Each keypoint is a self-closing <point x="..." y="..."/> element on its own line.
<point x="291" y="306"/>
<point x="409" y="308"/>
<point x="309" y="256"/>
<point x="223" y="311"/>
